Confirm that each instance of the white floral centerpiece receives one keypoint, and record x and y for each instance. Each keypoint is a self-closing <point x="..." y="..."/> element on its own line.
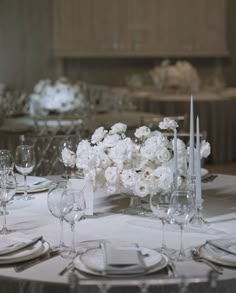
<point x="59" y="96"/>
<point x="139" y="167"/>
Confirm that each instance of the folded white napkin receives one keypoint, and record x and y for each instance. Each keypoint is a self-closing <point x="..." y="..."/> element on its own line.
<point x="227" y="245"/>
<point x="11" y="244"/>
<point x="218" y="255"/>
<point x="122" y="260"/>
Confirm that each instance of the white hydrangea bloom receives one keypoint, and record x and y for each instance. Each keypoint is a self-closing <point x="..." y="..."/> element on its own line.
<point x="205" y="149"/>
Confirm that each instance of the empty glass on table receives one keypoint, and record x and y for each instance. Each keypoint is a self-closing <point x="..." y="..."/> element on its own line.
<point x="24" y="163"/>
<point x="54" y="205"/>
<point x="159" y="204"/>
<point x="7" y="193"/>
<point x="73" y="210"/>
<point x="181" y="209"/>
<point x="67" y="151"/>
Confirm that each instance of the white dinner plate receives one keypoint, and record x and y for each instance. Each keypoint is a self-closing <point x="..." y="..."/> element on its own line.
<point x="31" y="252"/>
<point x="218" y="256"/>
<point x="92" y="262"/>
<point x="34" y="183"/>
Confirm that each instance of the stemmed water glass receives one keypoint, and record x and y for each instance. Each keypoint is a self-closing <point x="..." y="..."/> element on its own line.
<point x="181" y="209"/>
<point x="67" y="150"/>
<point x="7" y="193"/>
<point x="6" y="162"/>
<point x="159" y="203"/>
<point x="54" y="205"/>
<point x="73" y="209"/>
<point x="25" y="163"/>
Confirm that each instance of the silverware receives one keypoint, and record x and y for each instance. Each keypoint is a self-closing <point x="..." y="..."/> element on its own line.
<point x="171" y="266"/>
<point x="28" y="264"/>
<point x="209" y="178"/>
<point x="70" y="266"/>
<point x="198" y="257"/>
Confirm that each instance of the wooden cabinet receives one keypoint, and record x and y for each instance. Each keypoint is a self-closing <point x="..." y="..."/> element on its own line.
<point x="139" y="28"/>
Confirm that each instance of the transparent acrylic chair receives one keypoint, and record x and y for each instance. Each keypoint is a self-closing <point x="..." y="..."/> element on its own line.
<point x="158" y="283"/>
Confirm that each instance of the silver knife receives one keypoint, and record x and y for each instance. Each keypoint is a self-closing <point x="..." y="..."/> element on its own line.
<point x="13" y="248"/>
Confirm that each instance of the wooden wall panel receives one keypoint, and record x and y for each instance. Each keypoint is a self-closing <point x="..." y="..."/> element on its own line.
<point x="25" y="42"/>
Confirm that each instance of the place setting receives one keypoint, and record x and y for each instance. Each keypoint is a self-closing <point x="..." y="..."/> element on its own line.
<point x="17" y="250"/>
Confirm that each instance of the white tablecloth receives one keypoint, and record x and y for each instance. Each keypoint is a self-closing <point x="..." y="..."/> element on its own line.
<point x="33" y="218"/>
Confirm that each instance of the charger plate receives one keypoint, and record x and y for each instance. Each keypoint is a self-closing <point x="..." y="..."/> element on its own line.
<point x="31" y="252"/>
<point x="218" y="255"/>
<point x="35" y="184"/>
<point x="92" y="262"/>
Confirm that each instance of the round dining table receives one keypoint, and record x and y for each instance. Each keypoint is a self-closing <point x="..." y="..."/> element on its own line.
<point x="33" y="218"/>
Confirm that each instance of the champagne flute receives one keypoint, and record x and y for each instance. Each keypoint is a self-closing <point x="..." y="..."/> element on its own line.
<point x="73" y="210"/>
<point x="159" y="203"/>
<point x="181" y="209"/>
<point x="54" y="205"/>
<point x="25" y="163"/>
<point x="7" y="193"/>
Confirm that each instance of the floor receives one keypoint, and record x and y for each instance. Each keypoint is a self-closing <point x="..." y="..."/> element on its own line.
<point x="228" y="168"/>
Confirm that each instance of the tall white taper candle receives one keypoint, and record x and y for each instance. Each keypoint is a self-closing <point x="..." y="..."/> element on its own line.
<point x="191" y="142"/>
<point x="198" y="169"/>
<point x="175" y="161"/>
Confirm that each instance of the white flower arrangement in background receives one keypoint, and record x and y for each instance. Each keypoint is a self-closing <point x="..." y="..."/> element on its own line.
<point x="60" y="96"/>
<point x="140" y="167"/>
<point x="12" y="101"/>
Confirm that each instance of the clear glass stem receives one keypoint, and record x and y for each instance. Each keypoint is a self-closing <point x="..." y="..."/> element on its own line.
<point x="73" y="251"/>
<point x="25" y="187"/>
<point x="4" y="226"/>
<point x="163" y="244"/>
<point x="61" y="240"/>
<point x="181" y="250"/>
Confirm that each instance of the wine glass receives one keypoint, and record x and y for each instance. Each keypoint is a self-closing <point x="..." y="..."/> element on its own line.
<point x="181" y="209"/>
<point x="159" y="203"/>
<point x="7" y="193"/>
<point x="54" y="205"/>
<point x="25" y="163"/>
<point x="6" y="159"/>
<point x="6" y="162"/>
<point x="73" y="210"/>
<point x="67" y="151"/>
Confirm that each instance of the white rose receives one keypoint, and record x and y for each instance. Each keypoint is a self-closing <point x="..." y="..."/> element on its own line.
<point x="118" y="128"/>
<point x="111" y="140"/>
<point x="148" y="151"/>
<point x="112" y="175"/>
<point x="165" y="177"/>
<point x="164" y="155"/>
<point x="129" y="178"/>
<point x="142" y="188"/>
<point x="205" y="149"/>
<point x="98" y="135"/>
<point x="68" y="157"/>
<point x="122" y="151"/>
<point x="168" y="123"/>
<point x="142" y="132"/>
